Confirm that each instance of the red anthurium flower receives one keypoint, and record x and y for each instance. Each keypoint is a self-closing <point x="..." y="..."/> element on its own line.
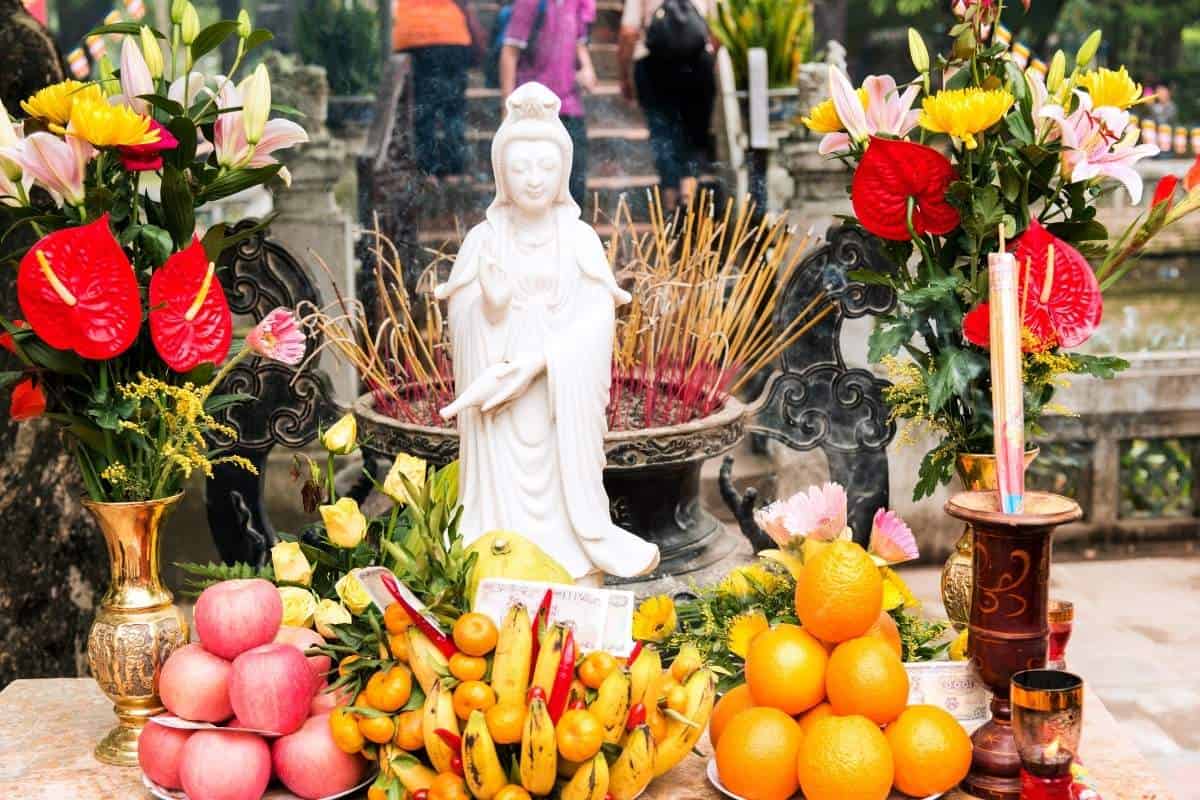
<point x="1165" y="192"/>
<point x="78" y="292"/>
<point x="190" y="321"/>
<point x="6" y="338"/>
<point x="889" y="174"/>
<point x="28" y="401"/>
<point x="1059" y="294"/>
<point x="148" y="157"/>
<point x="1192" y="179"/>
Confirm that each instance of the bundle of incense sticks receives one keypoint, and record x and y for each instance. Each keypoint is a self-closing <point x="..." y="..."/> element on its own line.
<point x="1008" y="405"/>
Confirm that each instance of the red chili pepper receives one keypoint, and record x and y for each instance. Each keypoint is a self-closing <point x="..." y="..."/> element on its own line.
<point x="578" y="704"/>
<point x="422" y="794"/>
<point x="637" y="716"/>
<point x="562" y="679"/>
<point x="456" y="765"/>
<point x="450" y="737"/>
<point x="636" y="651"/>
<point x="535" y="693"/>
<point x="442" y="642"/>
<point x="540" y="620"/>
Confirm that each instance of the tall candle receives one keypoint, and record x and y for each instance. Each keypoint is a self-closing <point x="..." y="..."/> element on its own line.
<point x="1008" y="403"/>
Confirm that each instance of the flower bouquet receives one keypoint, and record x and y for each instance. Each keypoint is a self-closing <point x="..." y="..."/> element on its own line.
<point x="993" y="157"/>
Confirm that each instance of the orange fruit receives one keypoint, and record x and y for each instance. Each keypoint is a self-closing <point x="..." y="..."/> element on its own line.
<point x="677" y="698"/>
<point x="733" y="702"/>
<point x="471" y="696"/>
<point x="865" y="677"/>
<point x="468" y="668"/>
<point x="475" y="634"/>
<point x="756" y="757"/>
<point x="389" y="690"/>
<point x="595" y="668"/>
<point x="409" y="734"/>
<point x="686" y="662"/>
<point x="810" y="717"/>
<point x="448" y="786"/>
<point x="840" y="593"/>
<point x="396" y="619"/>
<point x="377" y="793"/>
<point x="398" y="644"/>
<point x="505" y="722"/>
<point x="885" y="630"/>
<point x="511" y="792"/>
<point x="931" y="751"/>
<point x="343" y="728"/>
<point x="344" y="664"/>
<point x="580" y="734"/>
<point x="379" y="730"/>
<point x="785" y="669"/>
<point x="845" y="758"/>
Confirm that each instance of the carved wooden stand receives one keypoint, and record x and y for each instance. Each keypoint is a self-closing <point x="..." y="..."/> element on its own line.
<point x="1011" y="567"/>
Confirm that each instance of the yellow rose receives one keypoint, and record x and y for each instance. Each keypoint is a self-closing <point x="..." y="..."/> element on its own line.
<point x="330" y="612"/>
<point x="299" y="606"/>
<point x="342" y="438"/>
<point x="290" y="564"/>
<point x="409" y="467"/>
<point x="344" y="523"/>
<point x="353" y="593"/>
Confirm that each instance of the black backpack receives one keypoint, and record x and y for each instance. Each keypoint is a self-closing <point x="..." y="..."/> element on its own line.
<point x="676" y="32"/>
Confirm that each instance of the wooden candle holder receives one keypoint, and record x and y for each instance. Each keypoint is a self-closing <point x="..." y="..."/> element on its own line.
<point x="1009" y="632"/>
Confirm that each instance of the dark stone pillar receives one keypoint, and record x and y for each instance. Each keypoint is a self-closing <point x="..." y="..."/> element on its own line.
<point x="29" y="59"/>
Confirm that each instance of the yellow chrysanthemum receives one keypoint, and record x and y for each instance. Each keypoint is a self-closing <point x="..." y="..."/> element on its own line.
<point x="54" y="103"/>
<point x="744" y="581"/>
<point x="104" y="125"/>
<point x="823" y="117"/>
<point x="1111" y="88"/>
<point x="654" y="619"/>
<point x="896" y="592"/>
<point x="962" y="113"/>
<point x="743" y="629"/>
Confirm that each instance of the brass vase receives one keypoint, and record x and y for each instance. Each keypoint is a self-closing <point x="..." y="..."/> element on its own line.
<point x="977" y="471"/>
<point x="136" y="627"/>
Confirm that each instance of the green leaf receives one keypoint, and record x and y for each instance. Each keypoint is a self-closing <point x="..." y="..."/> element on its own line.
<point x="1105" y="367"/>
<point x="258" y="38"/>
<point x="937" y="467"/>
<point x="156" y="243"/>
<point x="887" y="339"/>
<point x="238" y="180"/>
<point x="123" y="29"/>
<point x="934" y="293"/>
<point x="62" y="362"/>
<point x="1088" y="231"/>
<point x="163" y="103"/>
<point x="184" y="131"/>
<point x="211" y="37"/>
<point x="179" y="208"/>
<point x="952" y="375"/>
<point x="871" y="277"/>
<point x="10" y="377"/>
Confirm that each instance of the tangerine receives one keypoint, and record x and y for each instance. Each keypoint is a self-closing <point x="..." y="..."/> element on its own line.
<point x="505" y="722"/>
<point x="785" y="669"/>
<point x="810" y="717"/>
<point x="733" y="702"/>
<point x="840" y="593"/>
<point x="379" y="730"/>
<point x="845" y="758"/>
<point x="410" y="735"/>
<point x="930" y="749"/>
<point x="886" y="630"/>
<point x="756" y="756"/>
<point x="398" y="645"/>
<point x="595" y="668"/>
<point x="475" y="634"/>
<point x="389" y="690"/>
<point x="580" y="735"/>
<point x="472" y="696"/>
<point x="448" y="786"/>
<point x="396" y="619"/>
<point x="468" y="668"/>
<point x="512" y="792"/>
<point x="866" y="677"/>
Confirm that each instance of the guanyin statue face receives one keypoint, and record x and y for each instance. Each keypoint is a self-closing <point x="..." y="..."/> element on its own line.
<point x="533" y="174"/>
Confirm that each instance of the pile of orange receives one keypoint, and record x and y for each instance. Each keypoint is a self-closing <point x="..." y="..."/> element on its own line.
<point x="824" y="708"/>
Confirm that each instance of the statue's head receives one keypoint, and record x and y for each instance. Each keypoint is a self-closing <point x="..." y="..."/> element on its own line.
<point x="531" y="153"/>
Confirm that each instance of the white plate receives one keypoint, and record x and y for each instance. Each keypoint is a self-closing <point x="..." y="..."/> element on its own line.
<point x="715" y="780"/>
<point x="272" y="793"/>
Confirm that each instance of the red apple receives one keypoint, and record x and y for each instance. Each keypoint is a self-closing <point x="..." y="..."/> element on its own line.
<point x="311" y="765"/>
<point x="324" y="702"/>
<point x="160" y="751"/>
<point x="271" y="688"/>
<point x="303" y="639"/>
<point x="222" y="765"/>
<point x="235" y="616"/>
<point x="194" y="684"/>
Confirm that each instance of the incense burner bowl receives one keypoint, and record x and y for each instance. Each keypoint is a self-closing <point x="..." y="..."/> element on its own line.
<point x="652" y="477"/>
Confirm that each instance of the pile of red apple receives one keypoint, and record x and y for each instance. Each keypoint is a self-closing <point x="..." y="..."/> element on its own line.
<point x="247" y="672"/>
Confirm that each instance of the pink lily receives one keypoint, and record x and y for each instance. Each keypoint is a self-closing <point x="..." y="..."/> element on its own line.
<point x="229" y="134"/>
<point x="58" y="165"/>
<point x="135" y="76"/>
<point x="1100" y="142"/>
<point x="14" y="182"/>
<point x="185" y="88"/>
<point x="887" y="111"/>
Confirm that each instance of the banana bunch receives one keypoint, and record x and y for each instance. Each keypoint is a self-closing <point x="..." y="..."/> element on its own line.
<point x="513" y="656"/>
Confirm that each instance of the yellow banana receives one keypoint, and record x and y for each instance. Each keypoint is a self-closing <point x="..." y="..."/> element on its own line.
<point x="590" y="781"/>
<point x="514" y="651"/>
<point x="548" y="658"/>
<point x="654" y="715"/>
<point x="611" y="705"/>
<point x="425" y="660"/>
<point x="414" y="775"/>
<point x="439" y="713"/>
<point x="647" y="666"/>
<point x="681" y="737"/>
<point x="539" y="750"/>
<point x="481" y="765"/>
<point x="687" y="661"/>
<point x="633" y="770"/>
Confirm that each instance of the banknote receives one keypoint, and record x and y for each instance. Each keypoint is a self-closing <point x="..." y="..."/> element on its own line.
<point x="602" y="618"/>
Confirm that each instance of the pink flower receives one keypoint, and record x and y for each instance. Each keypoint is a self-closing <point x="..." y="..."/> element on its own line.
<point x="1100" y="142"/>
<point x="57" y="165"/>
<point x="818" y="514"/>
<point x="229" y="134"/>
<point x="148" y="157"/>
<point x="135" y="75"/>
<point x="888" y="111"/>
<point x="278" y="337"/>
<point x="892" y="541"/>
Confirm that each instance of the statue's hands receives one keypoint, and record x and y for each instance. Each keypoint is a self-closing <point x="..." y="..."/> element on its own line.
<point x="514" y="384"/>
<point x="497" y="289"/>
<point x="480" y="390"/>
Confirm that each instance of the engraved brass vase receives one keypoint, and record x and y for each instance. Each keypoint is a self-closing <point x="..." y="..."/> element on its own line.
<point x="136" y="626"/>
<point x="977" y="471"/>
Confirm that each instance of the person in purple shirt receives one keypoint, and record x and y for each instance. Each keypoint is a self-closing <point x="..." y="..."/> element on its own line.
<point x="546" y="41"/>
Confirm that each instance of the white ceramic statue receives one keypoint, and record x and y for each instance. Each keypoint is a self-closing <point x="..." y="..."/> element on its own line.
<point x="532" y="304"/>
